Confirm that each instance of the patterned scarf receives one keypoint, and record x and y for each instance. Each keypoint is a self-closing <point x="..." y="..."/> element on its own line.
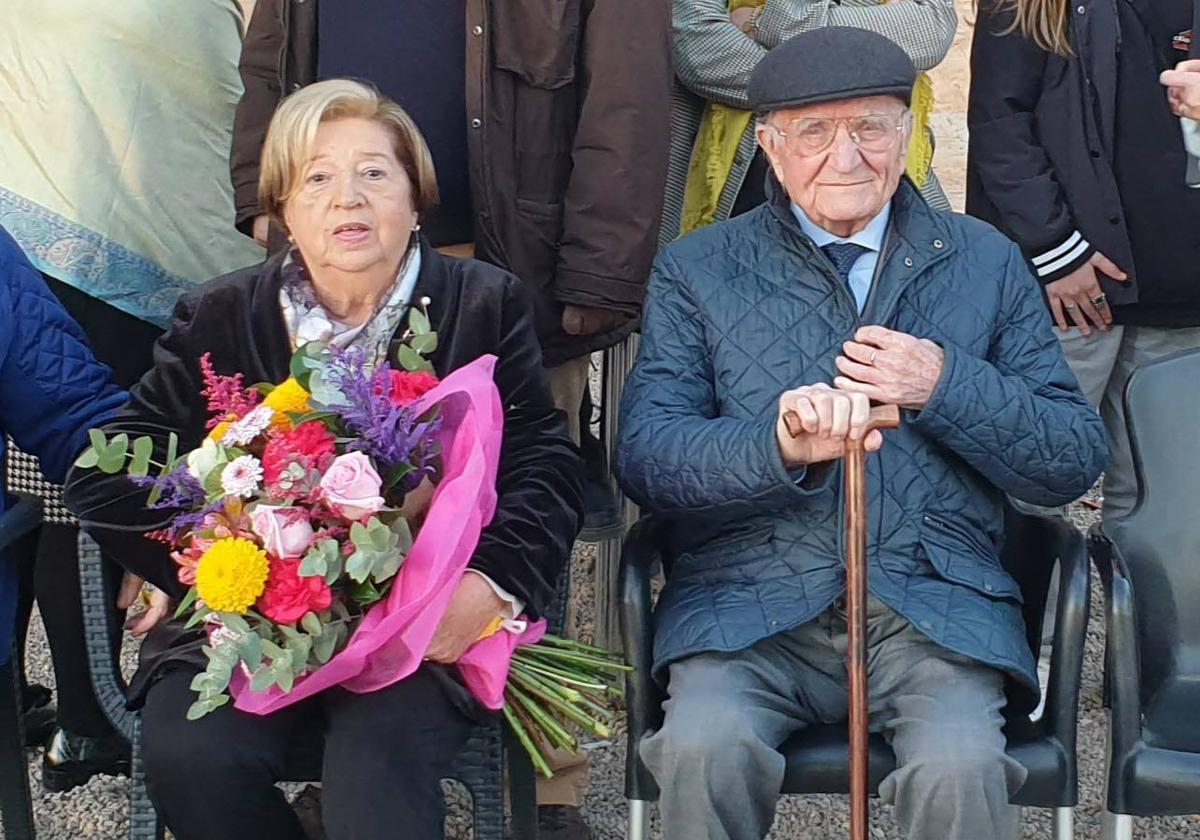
<point x="307" y="320"/>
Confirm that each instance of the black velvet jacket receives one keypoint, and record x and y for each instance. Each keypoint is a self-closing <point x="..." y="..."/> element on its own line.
<point x="475" y="308"/>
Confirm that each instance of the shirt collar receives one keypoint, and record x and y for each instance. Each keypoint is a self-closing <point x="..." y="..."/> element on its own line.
<point x="869" y="237"/>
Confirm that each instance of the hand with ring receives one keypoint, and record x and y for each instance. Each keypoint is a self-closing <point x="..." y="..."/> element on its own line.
<point x="1077" y="300"/>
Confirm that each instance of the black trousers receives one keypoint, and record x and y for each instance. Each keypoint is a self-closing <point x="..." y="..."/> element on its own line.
<point x="384" y="756"/>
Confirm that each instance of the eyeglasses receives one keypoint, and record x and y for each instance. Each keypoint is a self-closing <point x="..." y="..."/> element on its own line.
<point x="808" y="136"/>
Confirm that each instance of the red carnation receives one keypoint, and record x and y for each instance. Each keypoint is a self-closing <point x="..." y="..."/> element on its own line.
<point x="310" y="443"/>
<point x="288" y="596"/>
<point x="408" y="386"/>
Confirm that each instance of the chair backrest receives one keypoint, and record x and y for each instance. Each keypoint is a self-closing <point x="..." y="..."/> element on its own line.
<point x="1160" y="539"/>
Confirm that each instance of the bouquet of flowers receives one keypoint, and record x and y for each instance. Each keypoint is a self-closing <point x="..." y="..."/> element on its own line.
<point x="299" y="527"/>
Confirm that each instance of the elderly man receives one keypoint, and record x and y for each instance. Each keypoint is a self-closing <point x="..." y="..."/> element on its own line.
<point x="843" y="289"/>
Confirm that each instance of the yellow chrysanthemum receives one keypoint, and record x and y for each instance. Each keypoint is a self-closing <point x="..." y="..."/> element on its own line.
<point x="219" y="430"/>
<point x="231" y="575"/>
<point x="288" y="398"/>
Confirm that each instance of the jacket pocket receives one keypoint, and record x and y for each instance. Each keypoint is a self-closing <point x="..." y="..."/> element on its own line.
<point x="533" y="250"/>
<point x="962" y="558"/>
<point x="537" y="40"/>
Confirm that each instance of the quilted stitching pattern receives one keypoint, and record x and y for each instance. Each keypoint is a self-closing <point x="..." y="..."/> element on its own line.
<point x="52" y="389"/>
<point x="741" y="311"/>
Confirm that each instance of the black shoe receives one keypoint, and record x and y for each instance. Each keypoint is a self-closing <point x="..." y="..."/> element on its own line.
<point x="71" y="760"/>
<point x="562" y="822"/>
<point x="40" y="716"/>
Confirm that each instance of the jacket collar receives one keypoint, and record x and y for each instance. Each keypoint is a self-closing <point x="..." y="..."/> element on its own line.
<point x="917" y="238"/>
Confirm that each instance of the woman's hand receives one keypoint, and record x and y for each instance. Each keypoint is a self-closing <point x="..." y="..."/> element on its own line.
<point x="134" y="591"/>
<point x="1076" y="300"/>
<point x="473" y="607"/>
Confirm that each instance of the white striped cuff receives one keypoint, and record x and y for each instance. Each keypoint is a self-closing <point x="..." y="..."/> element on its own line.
<point x="1049" y="262"/>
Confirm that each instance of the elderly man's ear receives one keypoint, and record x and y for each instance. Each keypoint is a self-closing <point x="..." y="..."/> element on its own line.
<point x="767" y="141"/>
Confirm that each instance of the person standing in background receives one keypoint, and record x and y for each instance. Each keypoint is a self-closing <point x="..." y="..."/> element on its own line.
<point x="716" y="170"/>
<point x="1091" y="187"/>
<point x="548" y="125"/>
<point x="115" y="121"/>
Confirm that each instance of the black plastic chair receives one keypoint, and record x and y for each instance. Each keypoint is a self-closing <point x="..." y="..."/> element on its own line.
<point x="19" y="526"/>
<point x="818" y="757"/>
<point x="1150" y="561"/>
<point x="479" y="767"/>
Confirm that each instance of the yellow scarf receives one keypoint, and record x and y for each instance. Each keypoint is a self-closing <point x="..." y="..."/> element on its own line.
<point x="721" y="131"/>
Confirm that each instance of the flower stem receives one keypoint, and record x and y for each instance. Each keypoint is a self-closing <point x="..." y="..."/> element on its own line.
<point x="535" y="754"/>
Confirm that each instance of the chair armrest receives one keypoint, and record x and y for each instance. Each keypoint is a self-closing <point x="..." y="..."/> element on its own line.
<point x="22" y="518"/>
<point x="1061" y="714"/>
<point x="1123" y="677"/>
<point x="643" y="698"/>
<point x="99" y="638"/>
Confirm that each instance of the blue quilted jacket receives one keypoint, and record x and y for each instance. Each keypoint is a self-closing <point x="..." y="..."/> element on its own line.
<point x="52" y="389"/>
<point x="741" y="311"/>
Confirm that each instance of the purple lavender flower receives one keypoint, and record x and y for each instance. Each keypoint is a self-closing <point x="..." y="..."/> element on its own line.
<point x="390" y="434"/>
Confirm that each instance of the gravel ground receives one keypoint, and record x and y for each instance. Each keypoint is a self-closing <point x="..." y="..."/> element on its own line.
<point x="99" y="809"/>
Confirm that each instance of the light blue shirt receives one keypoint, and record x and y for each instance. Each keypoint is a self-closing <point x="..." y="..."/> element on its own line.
<point x="862" y="273"/>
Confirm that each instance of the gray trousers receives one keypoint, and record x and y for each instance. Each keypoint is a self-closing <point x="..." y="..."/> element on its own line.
<point x="716" y="757"/>
<point x="1102" y="363"/>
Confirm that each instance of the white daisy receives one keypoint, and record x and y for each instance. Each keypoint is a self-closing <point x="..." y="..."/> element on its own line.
<point x="249" y="427"/>
<point x="241" y="476"/>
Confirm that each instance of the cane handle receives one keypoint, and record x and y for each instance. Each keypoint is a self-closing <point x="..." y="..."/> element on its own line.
<point x="882" y="417"/>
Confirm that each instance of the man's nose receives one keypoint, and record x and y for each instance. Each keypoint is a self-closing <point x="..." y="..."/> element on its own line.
<point x="844" y="154"/>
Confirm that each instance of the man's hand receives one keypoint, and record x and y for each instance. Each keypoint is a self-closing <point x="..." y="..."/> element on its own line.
<point x="1076" y="300"/>
<point x="262" y="229"/>
<point x="581" y="320"/>
<point x="473" y="606"/>
<point x="829" y="418"/>
<point x="1183" y="87"/>
<point x="135" y="591"/>
<point x="891" y="367"/>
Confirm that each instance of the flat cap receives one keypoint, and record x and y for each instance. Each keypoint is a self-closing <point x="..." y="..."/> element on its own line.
<point x="827" y="64"/>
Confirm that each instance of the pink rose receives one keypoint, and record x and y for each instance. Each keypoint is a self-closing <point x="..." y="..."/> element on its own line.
<point x="351" y="486"/>
<point x="284" y="531"/>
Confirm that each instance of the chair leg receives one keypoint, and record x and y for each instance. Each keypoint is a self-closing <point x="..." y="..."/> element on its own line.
<point x="144" y="823"/>
<point x="1064" y="823"/>
<point x="1117" y="827"/>
<point x="639" y="819"/>
<point x="522" y="789"/>
<point x="16" y="808"/>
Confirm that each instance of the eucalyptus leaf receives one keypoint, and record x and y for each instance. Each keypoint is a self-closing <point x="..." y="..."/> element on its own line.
<point x="262" y="679"/>
<point x="417" y="321"/>
<point x="143" y="448"/>
<point x="234" y="622"/>
<point x="99" y="441"/>
<point x="250" y="650"/>
<point x="88" y="458"/>
<point x="172" y="452"/>
<point x="410" y="359"/>
<point x="335" y="569"/>
<point x="311" y="624"/>
<point x="324" y="645"/>
<point x="424" y="344"/>
<point x="317" y="560"/>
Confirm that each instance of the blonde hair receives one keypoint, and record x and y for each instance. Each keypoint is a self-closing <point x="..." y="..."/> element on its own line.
<point x="1045" y="22"/>
<point x="293" y="131"/>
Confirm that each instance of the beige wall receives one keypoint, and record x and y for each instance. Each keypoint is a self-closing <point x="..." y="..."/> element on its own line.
<point x="951" y="79"/>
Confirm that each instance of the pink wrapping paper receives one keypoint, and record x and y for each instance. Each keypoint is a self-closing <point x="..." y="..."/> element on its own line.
<point x="391" y="641"/>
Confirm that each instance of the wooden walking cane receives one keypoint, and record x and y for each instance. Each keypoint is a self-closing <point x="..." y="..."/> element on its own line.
<point x="855" y="487"/>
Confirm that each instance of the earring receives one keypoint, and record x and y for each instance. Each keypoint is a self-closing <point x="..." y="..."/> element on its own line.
<point x="416" y="227"/>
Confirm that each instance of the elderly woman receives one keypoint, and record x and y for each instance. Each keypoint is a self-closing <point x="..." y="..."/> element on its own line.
<point x="348" y="175"/>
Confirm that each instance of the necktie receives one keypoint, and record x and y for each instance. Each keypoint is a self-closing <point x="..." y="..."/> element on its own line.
<point x="843" y="255"/>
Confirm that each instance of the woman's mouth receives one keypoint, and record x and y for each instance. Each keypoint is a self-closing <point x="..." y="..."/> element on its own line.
<point x="351" y="233"/>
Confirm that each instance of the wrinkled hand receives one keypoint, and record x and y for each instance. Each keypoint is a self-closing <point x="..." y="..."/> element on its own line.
<point x="829" y="418"/>
<point x="262" y="229"/>
<point x="584" y="320"/>
<point x="1183" y="87"/>
<point x="157" y="604"/>
<point x="890" y="367"/>
<point x="473" y="606"/>
<point x="1073" y="298"/>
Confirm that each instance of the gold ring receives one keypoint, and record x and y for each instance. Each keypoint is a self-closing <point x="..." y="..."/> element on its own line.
<point x="871" y="361"/>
